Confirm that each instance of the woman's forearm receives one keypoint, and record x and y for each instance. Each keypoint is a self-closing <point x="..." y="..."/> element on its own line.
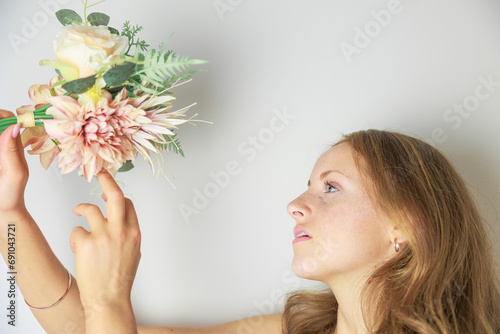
<point x="40" y="276"/>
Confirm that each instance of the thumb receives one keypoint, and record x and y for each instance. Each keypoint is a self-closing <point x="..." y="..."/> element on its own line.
<point x="78" y="235"/>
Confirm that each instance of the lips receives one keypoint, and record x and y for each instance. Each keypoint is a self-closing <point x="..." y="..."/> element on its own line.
<point x="301" y="234"/>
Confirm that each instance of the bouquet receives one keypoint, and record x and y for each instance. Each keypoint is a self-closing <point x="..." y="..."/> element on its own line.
<point x="110" y="100"/>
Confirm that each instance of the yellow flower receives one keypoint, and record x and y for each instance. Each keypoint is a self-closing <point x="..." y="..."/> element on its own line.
<point x="94" y="94"/>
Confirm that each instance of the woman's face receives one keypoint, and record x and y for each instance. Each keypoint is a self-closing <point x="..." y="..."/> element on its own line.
<point x="346" y="236"/>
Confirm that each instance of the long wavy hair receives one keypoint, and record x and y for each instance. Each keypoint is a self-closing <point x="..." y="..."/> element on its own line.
<point x="445" y="279"/>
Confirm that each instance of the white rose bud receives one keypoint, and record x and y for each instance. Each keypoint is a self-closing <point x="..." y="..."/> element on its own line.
<point x="77" y="45"/>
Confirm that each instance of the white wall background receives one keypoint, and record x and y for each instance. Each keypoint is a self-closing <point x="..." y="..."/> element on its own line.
<point x="233" y="257"/>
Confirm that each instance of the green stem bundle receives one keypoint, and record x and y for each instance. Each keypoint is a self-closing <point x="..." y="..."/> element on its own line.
<point x="40" y="114"/>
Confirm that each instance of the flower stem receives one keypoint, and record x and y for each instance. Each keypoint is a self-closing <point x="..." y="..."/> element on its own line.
<point x="39" y="113"/>
<point x="86" y="5"/>
<point x="85" y="11"/>
<point x="95" y="3"/>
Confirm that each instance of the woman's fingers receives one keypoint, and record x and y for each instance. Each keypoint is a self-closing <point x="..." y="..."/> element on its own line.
<point x="19" y="145"/>
<point x="107" y="257"/>
<point x="14" y="172"/>
<point x="93" y="214"/>
<point x="114" y="198"/>
<point x="77" y="235"/>
<point x="120" y="210"/>
<point x="6" y="113"/>
<point x="131" y="215"/>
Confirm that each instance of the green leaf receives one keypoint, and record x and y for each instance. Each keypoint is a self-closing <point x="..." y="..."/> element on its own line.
<point x="172" y="144"/>
<point x="113" y="31"/>
<point x="68" y="16"/>
<point x="68" y="72"/>
<point x="159" y="65"/>
<point x="79" y="86"/>
<point x="115" y="90"/>
<point x="126" y="166"/>
<point x="98" y="19"/>
<point x="119" y="74"/>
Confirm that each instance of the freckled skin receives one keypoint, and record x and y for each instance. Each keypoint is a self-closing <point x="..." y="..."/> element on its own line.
<point x="350" y="236"/>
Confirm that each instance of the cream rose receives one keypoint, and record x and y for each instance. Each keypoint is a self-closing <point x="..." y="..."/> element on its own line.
<point x="80" y="46"/>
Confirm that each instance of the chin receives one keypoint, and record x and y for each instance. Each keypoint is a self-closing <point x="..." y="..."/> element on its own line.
<point x="306" y="268"/>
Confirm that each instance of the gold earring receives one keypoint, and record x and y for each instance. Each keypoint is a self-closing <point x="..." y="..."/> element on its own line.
<point x="396" y="245"/>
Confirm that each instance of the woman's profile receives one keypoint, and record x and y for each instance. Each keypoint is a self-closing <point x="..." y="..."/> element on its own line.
<point x="386" y="222"/>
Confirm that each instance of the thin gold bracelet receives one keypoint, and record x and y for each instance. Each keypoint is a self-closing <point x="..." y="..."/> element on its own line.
<point x="55" y="303"/>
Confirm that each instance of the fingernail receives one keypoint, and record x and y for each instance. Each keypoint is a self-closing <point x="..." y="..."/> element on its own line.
<point x="15" y="132"/>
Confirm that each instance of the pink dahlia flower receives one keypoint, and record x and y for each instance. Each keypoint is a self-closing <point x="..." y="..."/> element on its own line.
<point x="93" y="136"/>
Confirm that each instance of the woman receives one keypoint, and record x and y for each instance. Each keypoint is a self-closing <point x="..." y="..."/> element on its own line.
<point x="385" y="222"/>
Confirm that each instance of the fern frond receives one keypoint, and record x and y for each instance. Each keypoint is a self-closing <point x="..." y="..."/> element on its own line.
<point x="160" y="65"/>
<point x="169" y="82"/>
<point x="172" y="144"/>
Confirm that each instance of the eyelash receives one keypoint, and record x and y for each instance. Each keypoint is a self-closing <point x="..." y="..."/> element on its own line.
<point x="327" y="184"/>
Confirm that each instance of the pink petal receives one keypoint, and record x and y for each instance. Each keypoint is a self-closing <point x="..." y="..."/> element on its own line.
<point x="43" y="147"/>
<point x="47" y="157"/>
<point x="70" y="165"/>
<point x="25" y="109"/>
<point x="106" y="154"/>
<point x="57" y="129"/>
<point x="39" y="93"/>
<point x="63" y="107"/>
<point x="27" y="138"/>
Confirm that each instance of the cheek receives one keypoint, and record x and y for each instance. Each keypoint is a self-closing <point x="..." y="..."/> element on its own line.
<point x="337" y="231"/>
<point x="353" y="227"/>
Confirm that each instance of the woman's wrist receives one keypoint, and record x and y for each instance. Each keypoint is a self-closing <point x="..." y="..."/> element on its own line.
<point x="14" y="216"/>
<point x="117" y="317"/>
<point x="104" y="302"/>
<point x="12" y="219"/>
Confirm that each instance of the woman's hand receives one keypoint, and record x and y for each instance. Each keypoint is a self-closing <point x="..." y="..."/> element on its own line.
<point x="107" y="257"/>
<point x="14" y="170"/>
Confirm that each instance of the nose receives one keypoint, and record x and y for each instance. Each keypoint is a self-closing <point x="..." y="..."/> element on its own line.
<point x="298" y="209"/>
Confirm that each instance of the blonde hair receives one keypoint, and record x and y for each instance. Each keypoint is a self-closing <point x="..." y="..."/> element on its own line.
<point x="444" y="280"/>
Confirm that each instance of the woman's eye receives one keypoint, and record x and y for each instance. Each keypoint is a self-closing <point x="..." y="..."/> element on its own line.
<point x="330" y="188"/>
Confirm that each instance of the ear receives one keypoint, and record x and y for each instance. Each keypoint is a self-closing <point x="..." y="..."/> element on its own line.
<point x="397" y="236"/>
<point x="397" y="229"/>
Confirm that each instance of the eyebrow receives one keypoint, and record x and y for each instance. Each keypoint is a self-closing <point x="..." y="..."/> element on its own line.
<point x="323" y="175"/>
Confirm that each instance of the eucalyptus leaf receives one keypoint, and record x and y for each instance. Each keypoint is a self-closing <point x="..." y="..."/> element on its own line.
<point x="79" y="86"/>
<point x="126" y="166"/>
<point x="119" y="74"/>
<point x="114" y="31"/>
<point x="68" y="16"/>
<point x="98" y="19"/>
